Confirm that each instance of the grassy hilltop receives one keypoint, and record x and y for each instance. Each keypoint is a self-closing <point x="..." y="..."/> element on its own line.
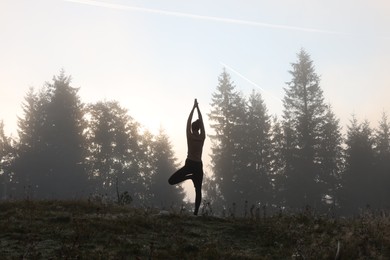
<point x="81" y="230"/>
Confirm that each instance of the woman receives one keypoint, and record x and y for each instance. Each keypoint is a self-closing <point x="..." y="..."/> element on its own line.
<point x="193" y="167"/>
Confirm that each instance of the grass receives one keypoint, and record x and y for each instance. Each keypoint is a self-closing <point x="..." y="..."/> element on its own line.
<point x="81" y="230"/>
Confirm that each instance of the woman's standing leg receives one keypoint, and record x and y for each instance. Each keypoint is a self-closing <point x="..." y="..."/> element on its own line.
<point x="197" y="179"/>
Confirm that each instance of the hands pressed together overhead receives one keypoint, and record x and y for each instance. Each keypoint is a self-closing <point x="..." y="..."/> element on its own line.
<point x="195" y="103"/>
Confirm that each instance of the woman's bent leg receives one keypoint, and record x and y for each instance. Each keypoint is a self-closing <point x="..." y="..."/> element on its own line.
<point x="179" y="176"/>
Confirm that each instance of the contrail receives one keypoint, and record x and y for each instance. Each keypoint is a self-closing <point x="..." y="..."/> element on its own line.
<point x="202" y="17"/>
<point x="251" y="82"/>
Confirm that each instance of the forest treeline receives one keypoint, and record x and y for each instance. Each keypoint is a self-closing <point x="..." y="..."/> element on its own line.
<point x="70" y="150"/>
<point x="67" y="149"/>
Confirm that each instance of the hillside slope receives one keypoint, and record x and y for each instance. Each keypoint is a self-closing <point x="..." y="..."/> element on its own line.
<point x="81" y="230"/>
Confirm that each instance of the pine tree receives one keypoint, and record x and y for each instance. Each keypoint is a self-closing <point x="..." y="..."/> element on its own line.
<point x="359" y="178"/>
<point x="146" y="162"/>
<point x="7" y="154"/>
<point x="330" y="154"/>
<point x="211" y="193"/>
<point x="256" y="184"/>
<point x="29" y="125"/>
<point x="29" y="161"/>
<point x="227" y="117"/>
<point x="164" y="165"/>
<point x="50" y="161"/>
<point x="382" y="161"/>
<point x="65" y="151"/>
<point x="113" y="149"/>
<point x="303" y="116"/>
<point x="277" y="162"/>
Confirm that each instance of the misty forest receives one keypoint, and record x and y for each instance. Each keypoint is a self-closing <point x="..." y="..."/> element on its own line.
<point x="69" y="150"/>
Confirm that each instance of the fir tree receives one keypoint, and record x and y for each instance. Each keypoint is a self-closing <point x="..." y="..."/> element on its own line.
<point x="29" y="164"/>
<point x="224" y="116"/>
<point x="65" y="142"/>
<point x="7" y="155"/>
<point x="113" y="149"/>
<point x="164" y="165"/>
<point x="277" y="162"/>
<point x="50" y="156"/>
<point x="382" y="161"/>
<point x="146" y="162"/>
<point x="330" y="154"/>
<point x="359" y="178"/>
<point x="257" y="186"/>
<point x="303" y="116"/>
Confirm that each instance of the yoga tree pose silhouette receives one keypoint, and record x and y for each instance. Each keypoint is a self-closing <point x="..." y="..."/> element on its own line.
<point x="193" y="167"/>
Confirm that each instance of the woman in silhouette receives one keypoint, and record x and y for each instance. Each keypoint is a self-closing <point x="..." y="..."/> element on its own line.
<point x="193" y="167"/>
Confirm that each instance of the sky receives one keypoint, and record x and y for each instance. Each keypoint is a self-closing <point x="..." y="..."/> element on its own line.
<point x="154" y="57"/>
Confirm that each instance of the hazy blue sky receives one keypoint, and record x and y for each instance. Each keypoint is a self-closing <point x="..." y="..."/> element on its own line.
<point x="155" y="57"/>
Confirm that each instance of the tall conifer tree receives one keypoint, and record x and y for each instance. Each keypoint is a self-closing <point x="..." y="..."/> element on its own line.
<point x="65" y="151"/>
<point x="50" y="156"/>
<point x="382" y="161"/>
<point x="226" y="118"/>
<point x="113" y="149"/>
<point x="257" y="186"/>
<point x="277" y="162"/>
<point x="330" y="155"/>
<point x="303" y="115"/>
<point x="164" y="165"/>
<point x="29" y="164"/>
<point x="359" y="177"/>
<point x="7" y="155"/>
